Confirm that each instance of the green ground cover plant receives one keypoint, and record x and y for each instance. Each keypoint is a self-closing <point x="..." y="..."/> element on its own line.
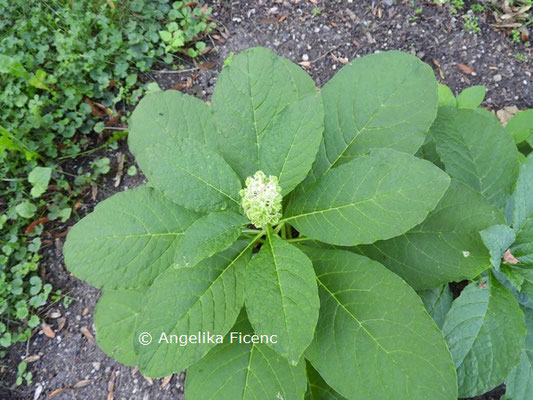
<point x="332" y="219"/>
<point x="67" y="69"/>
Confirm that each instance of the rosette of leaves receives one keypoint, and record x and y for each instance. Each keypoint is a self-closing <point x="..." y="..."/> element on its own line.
<point x="178" y="256"/>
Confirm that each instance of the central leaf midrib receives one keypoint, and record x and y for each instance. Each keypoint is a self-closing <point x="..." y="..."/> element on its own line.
<point x="280" y="288"/>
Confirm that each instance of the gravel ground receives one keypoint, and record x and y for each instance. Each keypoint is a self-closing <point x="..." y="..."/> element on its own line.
<point x="71" y="366"/>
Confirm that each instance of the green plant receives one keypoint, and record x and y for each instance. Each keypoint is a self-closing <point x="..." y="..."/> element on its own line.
<point x="316" y="11"/>
<point x="471" y="23"/>
<point x="185" y="26"/>
<point x="291" y="215"/>
<point x="516" y="36"/>
<point x="67" y="71"/>
<point x="522" y="57"/>
<point x="418" y="13"/>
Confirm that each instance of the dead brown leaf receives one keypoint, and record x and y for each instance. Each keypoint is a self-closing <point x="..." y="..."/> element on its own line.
<point x="111" y="385"/>
<point x="437" y="64"/>
<point x="120" y="169"/>
<point x="61" y="323"/>
<point x="166" y="381"/>
<point x="94" y="191"/>
<point x="94" y="110"/>
<point x="47" y="330"/>
<point x="31" y="227"/>
<point x="465" y="68"/>
<point x="58" y="392"/>
<point x="59" y="246"/>
<point x="86" y="332"/>
<point x="85" y="311"/>
<point x="54" y="314"/>
<point x="268" y="20"/>
<point x="207" y="65"/>
<point x="305" y="64"/>
<point x="509" y="258"/>
<point x="83" y="383"/>
<point x="31" y="359"/>
<point x="505" y="114"/>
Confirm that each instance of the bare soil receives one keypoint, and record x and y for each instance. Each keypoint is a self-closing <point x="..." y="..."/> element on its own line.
<point x="71" y="366"/>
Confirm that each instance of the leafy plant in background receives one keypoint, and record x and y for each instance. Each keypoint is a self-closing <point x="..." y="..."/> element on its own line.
<point x="281" y="211"/>
<point x="66" y="70"/>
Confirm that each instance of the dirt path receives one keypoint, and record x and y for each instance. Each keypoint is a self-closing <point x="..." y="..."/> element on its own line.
<point x="322" y="42"/>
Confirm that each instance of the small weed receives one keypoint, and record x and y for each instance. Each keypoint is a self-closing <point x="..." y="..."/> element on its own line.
<point x="316" y="11"/>
<point x="471" y="23"/>
<point x="516" y="36"/>
<point x="418" y="13"/>
<point x="521" y="57"/>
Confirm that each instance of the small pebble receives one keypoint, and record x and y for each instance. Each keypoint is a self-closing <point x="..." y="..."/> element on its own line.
<point x="497" y="78"/>
<point x="305" y="57"/>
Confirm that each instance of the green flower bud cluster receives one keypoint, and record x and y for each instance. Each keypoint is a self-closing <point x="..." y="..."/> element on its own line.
<point x="261" y="199"/>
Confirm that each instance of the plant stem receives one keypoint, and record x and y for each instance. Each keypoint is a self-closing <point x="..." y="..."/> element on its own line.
<point x="251" y="231"/>
<point x="299" y="239"/>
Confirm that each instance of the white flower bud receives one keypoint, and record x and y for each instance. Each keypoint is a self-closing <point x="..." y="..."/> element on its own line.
<point x="261" y="199"/>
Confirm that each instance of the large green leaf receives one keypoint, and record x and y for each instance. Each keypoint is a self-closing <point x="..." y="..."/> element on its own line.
<point x="288" y="149"/>
<point x="282" y="296"/>
<point x="445" y="247"/>
<point x="115" y="317"/>
<point x="249" y="93"/>
<point x="375" y="196"/>
<point x="387" y="99"/>
<point x="485" y="332"/>
<point x="191" y="175"/>
<point x="128" y="240"/>
<point x="477" y="150"/>
<point x="374" y="339"/>
<point x="173" y="139"/>
<point x="244" y="371"/>
<point x="209" y="235"/>
<point x="170" y="114"/>
<point x="318" y="389"/>
<point x="438" y="302"/>
<point x="519" y="383"/>
<point x="205" y="299"/>
<point x="522" y="208"/>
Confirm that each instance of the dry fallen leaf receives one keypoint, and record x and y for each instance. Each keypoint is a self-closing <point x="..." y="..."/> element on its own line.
<point x="464" y="68"/>
<point x="506" y="113"/>
<point x="83" y="383"/>
<point x="120" y="169"/>
<point x="269" y="20"/>
<point x="437" y="64"/>
<point x="31" y="227"/>
<point x="31" y="359"/>
<point x="85" y="311"/>
<point x="111" y="385"/>
<point x="509" y="258"/>
<point x="55" y="314"/>
<point x="47" y="330"/>
<point x="149" y="380"/>
<point x="207" y="65"/>
<point x="61" y="323"/>
<point x="166" y="381"/>
<point x="58" y="392"/>
<point x="305" y="64"/>
<point x="86" y="332"/>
